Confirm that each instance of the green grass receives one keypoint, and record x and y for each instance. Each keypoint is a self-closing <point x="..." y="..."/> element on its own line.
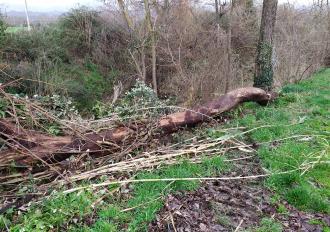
<point x="53" y="213"/>
<point x="148" y="197"/>
<point x="301" y="110"/>
<point x="67" y="212"/>
<point x="268" y="225"/>
<point x="15" y="29"/>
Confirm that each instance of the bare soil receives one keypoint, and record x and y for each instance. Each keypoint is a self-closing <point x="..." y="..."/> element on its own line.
<point x="224" y="205"/>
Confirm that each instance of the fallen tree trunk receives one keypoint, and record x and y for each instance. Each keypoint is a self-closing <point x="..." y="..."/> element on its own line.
<point x="32" y="147"/>
<point x="223" y="104"/>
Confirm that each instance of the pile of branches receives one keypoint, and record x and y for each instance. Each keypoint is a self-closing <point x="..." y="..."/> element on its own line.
<point x="85" y="153"/>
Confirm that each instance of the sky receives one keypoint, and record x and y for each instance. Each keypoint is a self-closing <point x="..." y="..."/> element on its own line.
<point x="64" y="5"/>
<point x="46" y="5"/>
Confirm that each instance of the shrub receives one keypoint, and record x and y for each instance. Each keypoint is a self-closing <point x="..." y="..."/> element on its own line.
<point x="59" y="106"/>
<point x="79" y="28"/>
<point x="56" y="59"/>
<point x="140" y="102"/>
<point x="86" y="85"/>
<point x="3" y="27"/>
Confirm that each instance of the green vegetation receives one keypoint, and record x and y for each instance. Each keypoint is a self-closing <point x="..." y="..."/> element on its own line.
<point x="56" y="212"/>
<point x="77" y="78"/>
<point x="292" y="134"/>
<point x="3" y="28"/>
<point x="140" y="102"/>
<point x="15" y="29"/>
<point x="269" y="225"/>
<point x="68" y="210"/>
<point x="301" y="112"/>
<point x="61" y="58"/>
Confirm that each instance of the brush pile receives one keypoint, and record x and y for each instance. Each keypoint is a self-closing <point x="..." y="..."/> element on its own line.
<point x="90" y="149"/>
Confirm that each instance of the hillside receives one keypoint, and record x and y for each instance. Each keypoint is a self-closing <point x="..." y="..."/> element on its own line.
<point x="268" y="170"/>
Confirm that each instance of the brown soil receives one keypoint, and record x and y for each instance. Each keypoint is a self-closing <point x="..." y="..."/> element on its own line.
<point x="223" y="205"/>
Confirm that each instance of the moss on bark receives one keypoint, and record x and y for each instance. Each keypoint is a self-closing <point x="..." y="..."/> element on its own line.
<point x="264" y="68"/>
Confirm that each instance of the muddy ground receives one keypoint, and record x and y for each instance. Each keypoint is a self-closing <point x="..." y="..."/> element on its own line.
<point x="224" y="205"/>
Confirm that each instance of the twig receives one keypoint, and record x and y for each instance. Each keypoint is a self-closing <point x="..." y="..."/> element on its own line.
<point x="139" y="205"/>
<point x="239" y="226"/>
<point x="172" y="220"/>
<point x="107" y="183"/>
<point x="104" y="196"/>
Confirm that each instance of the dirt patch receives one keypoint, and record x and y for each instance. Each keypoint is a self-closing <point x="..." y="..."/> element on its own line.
<point x="223" y="205"/>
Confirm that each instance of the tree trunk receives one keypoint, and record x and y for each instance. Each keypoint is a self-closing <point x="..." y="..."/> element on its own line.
<point x="229" y="73"/>
<point x="216" y="5"/>
<point x="264" y="68"/>
<point x="327" y="49"/>
<point x="153" y="45"/>
<point x="153" y="59"/>
<point x="124" y="12"/>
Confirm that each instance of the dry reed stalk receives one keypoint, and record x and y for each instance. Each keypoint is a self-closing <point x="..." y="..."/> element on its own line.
<point x="148" y="161"/>
<point x="131" y="181"/>
<point x="239" y="226"/>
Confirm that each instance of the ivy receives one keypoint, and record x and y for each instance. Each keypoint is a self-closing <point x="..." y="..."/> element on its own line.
<point x="264" y="74"/>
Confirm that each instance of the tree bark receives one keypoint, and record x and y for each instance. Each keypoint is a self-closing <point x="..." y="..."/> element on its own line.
<point x="229" y="60"/>
<point x="327" y="49"/>
<point x="216" y="5"/>
<point x="264" y="68"/>
<point x="153" y="45"/>
<point x="124" y="12"/>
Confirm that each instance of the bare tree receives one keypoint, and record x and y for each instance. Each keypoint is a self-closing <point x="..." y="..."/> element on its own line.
<point x="264" y="68"/>
<point x="125" y="14"/>
<point x="151" y="31"/>
<point x="138" y="55"/>
<point x="148" y="37"/>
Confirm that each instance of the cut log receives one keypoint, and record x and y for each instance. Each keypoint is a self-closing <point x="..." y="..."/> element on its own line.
<point x="31" y="147"/>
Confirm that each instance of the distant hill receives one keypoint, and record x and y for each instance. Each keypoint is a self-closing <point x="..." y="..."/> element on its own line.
<point x="18" y="17"/>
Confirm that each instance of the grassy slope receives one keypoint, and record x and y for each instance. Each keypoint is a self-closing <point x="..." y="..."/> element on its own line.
<point x="15" y="29"/>
<point x="302" y="109"/>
